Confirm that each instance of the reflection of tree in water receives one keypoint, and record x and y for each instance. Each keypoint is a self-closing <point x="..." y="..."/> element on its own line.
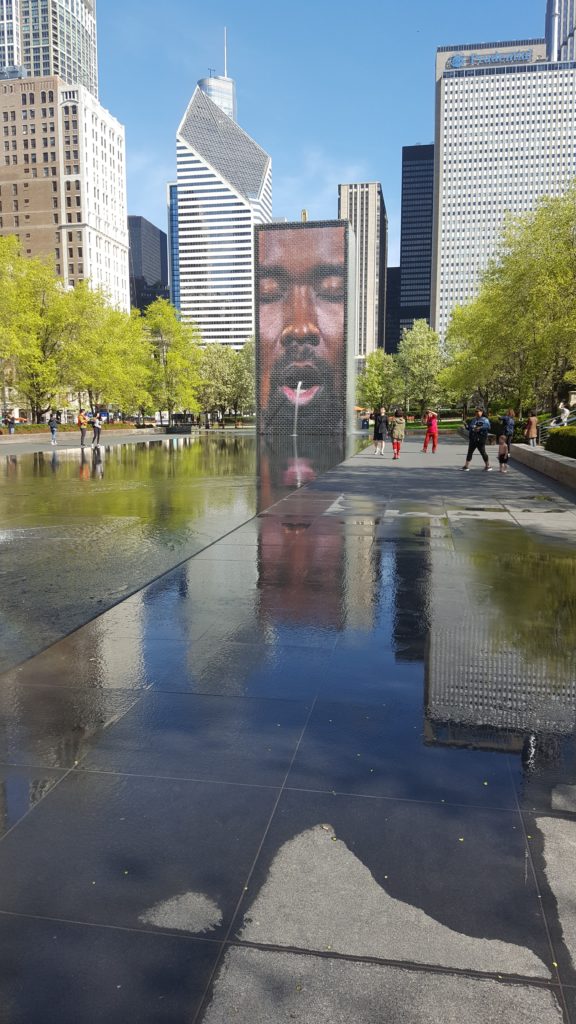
<point x="533" y="591"/>
<point x="168" y="481"/>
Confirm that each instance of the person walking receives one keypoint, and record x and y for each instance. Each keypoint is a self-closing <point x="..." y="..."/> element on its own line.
<point x="53" y="425"/>
<point x="503" y="453"/>
<point x="531" y="429"/>
<point x="97" y="428"/>
<point x="397" y="432"/>
<point x="11" y="424"/>
<point x="380" y="431"/>
<point x="508" y="424"/>
<point x="431" y="421"/>
<point x="83" y="425"/>
<point x="562" y="416"/>
<point x="478" y="433"/>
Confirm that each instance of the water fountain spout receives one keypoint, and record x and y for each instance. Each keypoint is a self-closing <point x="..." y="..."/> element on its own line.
<point x="298" y="390"/>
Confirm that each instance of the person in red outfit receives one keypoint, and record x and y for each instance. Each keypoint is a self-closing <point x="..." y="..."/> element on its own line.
<point x="431" y="421"/>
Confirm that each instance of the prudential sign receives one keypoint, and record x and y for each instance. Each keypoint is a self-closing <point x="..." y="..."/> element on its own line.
<point x="478" y="60"/>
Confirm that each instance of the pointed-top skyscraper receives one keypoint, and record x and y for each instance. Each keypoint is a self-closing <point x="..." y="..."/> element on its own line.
<point x="223" y="189"/>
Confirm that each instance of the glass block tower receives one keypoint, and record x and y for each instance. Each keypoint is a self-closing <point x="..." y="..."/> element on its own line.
<point x="505" y="135"/>
<point x="223" y="189"/>
<point x="51" y="37"/>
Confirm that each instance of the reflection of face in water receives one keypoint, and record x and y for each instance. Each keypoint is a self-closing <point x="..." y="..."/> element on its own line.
<point x="301" y="296"/>
<point x="286" y="463"/>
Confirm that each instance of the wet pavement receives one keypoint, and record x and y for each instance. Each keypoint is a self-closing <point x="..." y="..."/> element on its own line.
<point x="322" y="771"/>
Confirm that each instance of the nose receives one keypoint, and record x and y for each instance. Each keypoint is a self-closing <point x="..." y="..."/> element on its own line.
<point x="301" y="327"/>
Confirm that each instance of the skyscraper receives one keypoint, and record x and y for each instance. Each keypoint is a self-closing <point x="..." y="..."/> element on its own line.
<point x="223" y="189"/>
<point x="392" y="331"/>
<point x="220" y="88"/>
<point x="51" y="37"/>
<point x="64" y="154"/>
<point x="363" y="205"/>
<point x="561" y="29"/>
<point x="148" y="262"/>
<point x="505" y="135"/>
<point x="64" y="170"/>
<point x="416" y="234"/>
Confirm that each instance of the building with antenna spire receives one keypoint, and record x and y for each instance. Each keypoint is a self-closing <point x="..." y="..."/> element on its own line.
<point x="223" y="189"/>
<point x="220" y="88"/>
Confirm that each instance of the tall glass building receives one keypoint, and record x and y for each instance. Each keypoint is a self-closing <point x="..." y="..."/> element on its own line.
<point x="148" y="262"/>
<point x="222" y="92"/>
<point x="416" y="234"/>
<point x="223" y="189"/>
<point x="505" y="136"/>
<point x="51" y="37"/>
<point x="561" y="29"/>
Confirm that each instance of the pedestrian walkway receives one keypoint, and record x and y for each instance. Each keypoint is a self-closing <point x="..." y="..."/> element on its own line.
<point x="323" y="772"/>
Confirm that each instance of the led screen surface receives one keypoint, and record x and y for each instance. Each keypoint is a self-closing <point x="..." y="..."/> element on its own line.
<point x="304" y="351"/>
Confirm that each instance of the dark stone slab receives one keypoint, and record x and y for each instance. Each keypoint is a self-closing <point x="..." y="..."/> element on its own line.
<point x="381" y="751"/>
<point x="55" y="973"/>
<point x="55" y="726"/>
<point x="200" y="737"/>
<point x="130" y="852"/>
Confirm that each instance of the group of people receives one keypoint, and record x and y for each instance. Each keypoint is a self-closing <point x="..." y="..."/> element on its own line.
<point x="84" y="421"/>
<point x="394" y="427"/>
<point x="479" y="428"/>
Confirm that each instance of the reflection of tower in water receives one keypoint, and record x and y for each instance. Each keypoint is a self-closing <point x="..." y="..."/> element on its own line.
<point x="312" y="570"/>
<point x="485" y="691"/>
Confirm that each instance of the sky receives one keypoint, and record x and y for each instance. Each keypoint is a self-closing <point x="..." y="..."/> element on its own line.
<point x="331" y="90"/>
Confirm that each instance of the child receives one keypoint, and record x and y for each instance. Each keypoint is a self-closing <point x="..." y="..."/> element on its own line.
<point x="503" y="453"/>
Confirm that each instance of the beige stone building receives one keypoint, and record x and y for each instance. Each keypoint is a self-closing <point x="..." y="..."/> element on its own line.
<point x="363" y="205"/>
<point x="63" y="182"/>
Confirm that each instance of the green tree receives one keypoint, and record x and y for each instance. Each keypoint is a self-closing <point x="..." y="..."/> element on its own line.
<point x="108" y="355"/>
<point x="243" y="384"/>
<point x="219" y="371"/>
<point x="516" y="341"/>
<point x="420" y="362"/>
<point x="39" y="323"/>
<point x="379" y="383"/>
<point x="175" y="378"/>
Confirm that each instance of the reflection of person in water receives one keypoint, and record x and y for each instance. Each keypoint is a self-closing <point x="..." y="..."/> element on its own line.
<point x="301" y="285"/>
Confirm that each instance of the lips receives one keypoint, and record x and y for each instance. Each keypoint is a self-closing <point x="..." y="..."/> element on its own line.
<point x="310" y="380"/>
<point x="304" y="397"/>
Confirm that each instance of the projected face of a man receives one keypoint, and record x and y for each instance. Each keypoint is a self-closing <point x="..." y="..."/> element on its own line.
<point x="301" y="290"/>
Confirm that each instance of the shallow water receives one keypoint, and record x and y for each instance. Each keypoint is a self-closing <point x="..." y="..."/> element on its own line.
<point x="80" y="531"/>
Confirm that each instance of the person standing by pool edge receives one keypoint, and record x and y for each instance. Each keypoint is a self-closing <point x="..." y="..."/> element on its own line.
<point x="83" y="426"/>
<point x="97" y="428"/>
<point x="53" y="425"/>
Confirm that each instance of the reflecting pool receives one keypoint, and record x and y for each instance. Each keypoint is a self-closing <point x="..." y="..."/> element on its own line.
<point x="79" y="531"/>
